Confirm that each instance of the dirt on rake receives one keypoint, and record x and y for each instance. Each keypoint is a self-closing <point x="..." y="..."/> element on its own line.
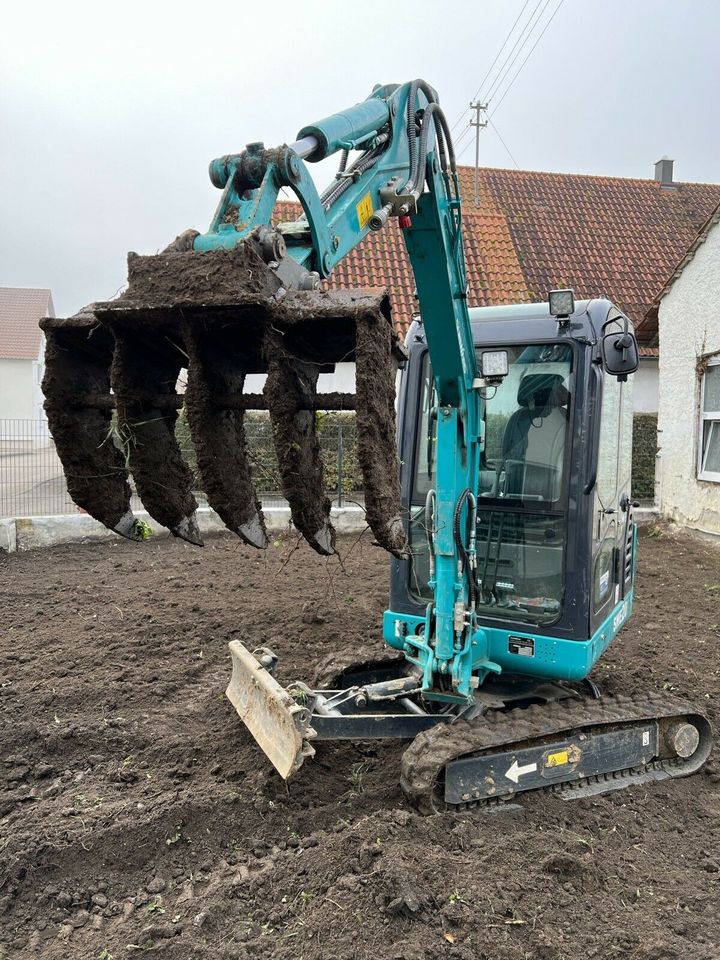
<point x="137" y="817"/>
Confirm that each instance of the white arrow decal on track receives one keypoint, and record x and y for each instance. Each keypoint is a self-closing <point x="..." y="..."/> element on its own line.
<point x="516" y="771"/>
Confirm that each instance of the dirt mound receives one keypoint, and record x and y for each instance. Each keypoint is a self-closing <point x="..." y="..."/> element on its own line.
<point x="137" y="816"/>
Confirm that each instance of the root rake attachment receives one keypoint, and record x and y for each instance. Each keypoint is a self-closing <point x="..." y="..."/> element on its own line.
<point x="220" y="314"/>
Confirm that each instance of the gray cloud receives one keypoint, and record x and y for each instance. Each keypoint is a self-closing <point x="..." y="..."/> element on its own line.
<point x="109" y="114"/>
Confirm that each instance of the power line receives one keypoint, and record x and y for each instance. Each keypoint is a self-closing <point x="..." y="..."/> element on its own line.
<point x="464" y="149"/>
<point x="462" y="137"/>
<point x="497" y="56"/>
<point x="463" y="141"/>
<point x="507" y="148"/>
<point x="509" y="87"/>
<point x="510" y="63"/>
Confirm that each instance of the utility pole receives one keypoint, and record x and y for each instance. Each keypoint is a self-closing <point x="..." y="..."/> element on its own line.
<point x="478" y="124"/>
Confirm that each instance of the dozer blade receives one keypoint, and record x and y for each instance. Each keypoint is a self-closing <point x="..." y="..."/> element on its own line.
<point x="279" y="724"/>
<point x="222" y="315"/>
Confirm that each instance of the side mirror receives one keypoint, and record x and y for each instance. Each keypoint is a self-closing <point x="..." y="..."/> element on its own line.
<point x="620" y="354"/>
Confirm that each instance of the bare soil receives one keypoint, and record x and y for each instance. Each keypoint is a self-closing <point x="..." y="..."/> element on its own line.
<point x="138" y="817"/>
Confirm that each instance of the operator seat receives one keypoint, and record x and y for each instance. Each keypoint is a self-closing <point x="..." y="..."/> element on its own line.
<point x="533" y="446"/>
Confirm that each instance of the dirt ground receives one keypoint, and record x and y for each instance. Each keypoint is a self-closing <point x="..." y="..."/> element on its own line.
<point x="138" y="817"/>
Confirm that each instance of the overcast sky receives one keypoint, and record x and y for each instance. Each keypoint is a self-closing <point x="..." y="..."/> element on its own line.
<point x="109" y="113"/>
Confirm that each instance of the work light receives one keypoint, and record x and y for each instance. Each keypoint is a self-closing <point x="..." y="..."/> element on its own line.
<point x="494" y="364"/>
<point x="562" y="303"/>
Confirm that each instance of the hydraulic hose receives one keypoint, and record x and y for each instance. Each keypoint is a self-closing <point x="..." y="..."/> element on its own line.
<point x="465" y="559"/>
<point x="364" y="163"/>
<point x="431" y="96"/>
<point x="430" y="502"/>
<point x="434" y="111"/>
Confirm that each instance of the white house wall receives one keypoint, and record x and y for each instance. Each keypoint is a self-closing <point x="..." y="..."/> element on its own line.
<point x="645" y="389"/>
<point x="689" y="322"/>
<point x="341" y="381"/>
<point x="17" y="392"/>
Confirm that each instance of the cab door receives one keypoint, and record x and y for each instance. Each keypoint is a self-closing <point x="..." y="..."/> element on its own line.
<point x="612" y="511"/>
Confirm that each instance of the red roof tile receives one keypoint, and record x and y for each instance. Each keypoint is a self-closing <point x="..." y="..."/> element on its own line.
<point x="533" y="232"/>
<point x="20" y="310"/>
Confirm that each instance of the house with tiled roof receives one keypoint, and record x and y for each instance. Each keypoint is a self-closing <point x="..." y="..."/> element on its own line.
<point x="532" y="232"/>
<point x="22" y="348"/>
<point x="687" y="314"/>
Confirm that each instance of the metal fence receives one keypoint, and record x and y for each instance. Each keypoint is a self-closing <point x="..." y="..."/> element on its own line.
<point x="32" y="481"/>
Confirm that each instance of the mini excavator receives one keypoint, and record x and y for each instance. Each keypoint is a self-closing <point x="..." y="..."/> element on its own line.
<point x="505" y="500"/>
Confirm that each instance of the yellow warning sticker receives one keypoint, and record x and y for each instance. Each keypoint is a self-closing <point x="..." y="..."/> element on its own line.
<point x="558" y="759"/>
<point x="364" y="211"/>
<point x="561" y="758"/>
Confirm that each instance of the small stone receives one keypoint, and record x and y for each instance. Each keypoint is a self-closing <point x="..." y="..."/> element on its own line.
<point x="158" y="931"/>
<point x="64" y="900"/>
<point x="100" y="900"/>
<point x="349" y="882"/>
<point x="19" y="773"/>
<point x="156" y="885"/>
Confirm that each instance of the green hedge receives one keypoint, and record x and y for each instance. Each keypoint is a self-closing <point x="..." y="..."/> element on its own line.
<point x="261" y="451"/>
<point x="644" y="454"/>
<point x="330" y="425"/>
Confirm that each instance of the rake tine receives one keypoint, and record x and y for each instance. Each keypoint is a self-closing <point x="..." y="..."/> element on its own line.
<point x="77" y="364"/>
<point x="291" y="385"/>
<point x="217" y="369"/>
<point x="164" y="481"/>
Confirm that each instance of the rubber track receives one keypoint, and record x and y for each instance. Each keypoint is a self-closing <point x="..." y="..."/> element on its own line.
<point x="424" y="761"/>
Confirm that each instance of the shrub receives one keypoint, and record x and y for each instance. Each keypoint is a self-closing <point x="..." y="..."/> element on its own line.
<point x="331" y="427"/>
<point x="644" y="453"/>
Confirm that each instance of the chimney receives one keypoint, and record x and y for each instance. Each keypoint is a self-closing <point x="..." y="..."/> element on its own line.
<point x="664" y="172"/>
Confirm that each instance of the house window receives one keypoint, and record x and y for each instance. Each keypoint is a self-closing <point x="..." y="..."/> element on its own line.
<point x="709" y="446"/>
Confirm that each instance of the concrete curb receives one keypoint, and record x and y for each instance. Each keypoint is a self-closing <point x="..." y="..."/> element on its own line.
<point x="645" y="515"/>
<point x="31" y="533"/>
<point x="8" y="539"/>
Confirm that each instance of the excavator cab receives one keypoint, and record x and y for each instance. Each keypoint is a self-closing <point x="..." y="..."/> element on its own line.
<point x="555" y="535"/>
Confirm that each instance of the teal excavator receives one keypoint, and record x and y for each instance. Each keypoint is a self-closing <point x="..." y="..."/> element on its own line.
<point x="498" y="478"/>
